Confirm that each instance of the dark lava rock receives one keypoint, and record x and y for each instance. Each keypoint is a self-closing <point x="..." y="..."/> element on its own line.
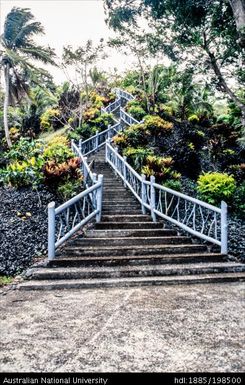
<point x="236" y="237"/>
<point x="23" y="227"/>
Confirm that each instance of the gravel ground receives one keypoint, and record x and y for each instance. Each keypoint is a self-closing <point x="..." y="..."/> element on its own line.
<point x="23" y="227"/>
<point x="236" y="238"/>
<point x="155" y="329"/>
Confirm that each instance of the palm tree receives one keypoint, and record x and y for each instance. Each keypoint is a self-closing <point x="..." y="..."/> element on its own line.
<point x="18" y="49"/>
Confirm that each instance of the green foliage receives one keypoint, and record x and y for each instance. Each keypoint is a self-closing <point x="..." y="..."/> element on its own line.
<point x="91" y="113"/>
<point x="137" y="112"/>
<point x="103" y="121"/>
<point x="58" y="173"/>
<point x="173" y="184"/>
<point x="48" y="118"/>
<point x="214" y="187"/>
<point x="34" y="162"/>
<point x="137" y="156"/>
<point x="69" y="188"/>
<point x="23" y="150"/>
<point x="157" y="125"/>
<point x="239" y="200"/>
<point x="193" y="119"/>
<point x="160" y="167"/>
<point x="4" y="280"/>
<point x="57" y="152"/>
<point x="23" y="173"/>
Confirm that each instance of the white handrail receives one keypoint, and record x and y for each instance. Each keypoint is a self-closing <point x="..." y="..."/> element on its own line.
<point x="68" y="218"/>
<point x="199" y="218"/>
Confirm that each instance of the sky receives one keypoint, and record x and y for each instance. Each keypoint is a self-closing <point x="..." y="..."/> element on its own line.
<point x="70" y="22"/>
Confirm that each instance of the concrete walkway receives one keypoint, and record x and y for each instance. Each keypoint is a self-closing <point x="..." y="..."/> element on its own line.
<point x="174" y="328"/>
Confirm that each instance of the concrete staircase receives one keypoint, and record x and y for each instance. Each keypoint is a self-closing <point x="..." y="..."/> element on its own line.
<point x="127" y="249"/>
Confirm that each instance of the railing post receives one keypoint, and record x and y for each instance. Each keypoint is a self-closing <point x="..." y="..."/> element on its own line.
<point x="116" y="160"/>
<point x="80" y="145"/>
<point x="106" y="150"/>
<point x="51" y="231"/>
<point x="224" y="225"/>
<point x="153" y="198"/>
<point x="124" y="171"/>
<point x="99" y="198"/>
<point x="97" y="141"/>
<point x="94" y="177"/>
<point x="109" y="133"/>
<point x="85" y="172"/>
<point x="143" y="193"/>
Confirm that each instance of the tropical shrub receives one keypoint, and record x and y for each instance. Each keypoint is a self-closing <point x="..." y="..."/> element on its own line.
<point x="120" y="140"/>
<point x="135" y="109"/>
<point x="97" y="100"/>
<point x="55" y="172"/>
<point x="137" y="135"/>
<point x="48" y="119"/>
<point x="173" y="184"/>
<point x="137" y="156"/>
<point x="157" y="125"/>
<point x="239" y="201"/>
<point x="23" y="173"/>
<point x="160" y="167"/>
<point x="24" y="149"/>
<point x="214" y="187"/>
<point x="91" y="113"/>
<point x="57" y="152"/>
<point x="14" y="133"/>
<point x="69" y="188"/>
<point x="103" y="121"/>
<point x="238" y="171"/>
<point x="193" y="119"/>
<point x="137" y="112"/>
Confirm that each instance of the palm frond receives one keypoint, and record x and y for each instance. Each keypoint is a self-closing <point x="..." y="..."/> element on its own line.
<point x="35" y="52"/>
<point x="16" y="19"/>
<point x="25" y="34"/>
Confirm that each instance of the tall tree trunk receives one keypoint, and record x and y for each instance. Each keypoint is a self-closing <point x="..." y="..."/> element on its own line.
<point x="86" y="82"/>
<point x="222" y="83"/>
<point x="144" y="83"/>
<point x="6" y="105"/>
<point x="238" y="9"/>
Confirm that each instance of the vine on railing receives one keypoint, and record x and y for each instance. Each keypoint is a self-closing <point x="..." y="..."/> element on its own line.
<point x="192" y="215"/>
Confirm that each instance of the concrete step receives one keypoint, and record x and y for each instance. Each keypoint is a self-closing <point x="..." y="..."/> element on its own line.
<point x="135" y="271"/>
<point x="120" y="211"/>
<point x="135" y="260"/>
<point x="131" y="281"/>
<point x="119" y="201"/>
<point x="127" y="225"/>
<point x="129" y="233"/>
<point x="100" y="251"/>
<point x="121" y="206"/>
<point x="117" y="193"/>
<point x="126" y="218"/>
<point x="122" y="241"/>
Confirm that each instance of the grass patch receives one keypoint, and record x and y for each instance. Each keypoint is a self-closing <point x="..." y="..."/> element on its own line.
<point x="47" y="136"/>
<point x="4" y="280"/>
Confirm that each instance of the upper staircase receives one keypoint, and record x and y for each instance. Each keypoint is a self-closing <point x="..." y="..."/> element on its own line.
<point x="127" y="249"/>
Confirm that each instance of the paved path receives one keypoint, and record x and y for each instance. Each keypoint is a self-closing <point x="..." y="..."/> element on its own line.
<point x="181" y="328"/>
